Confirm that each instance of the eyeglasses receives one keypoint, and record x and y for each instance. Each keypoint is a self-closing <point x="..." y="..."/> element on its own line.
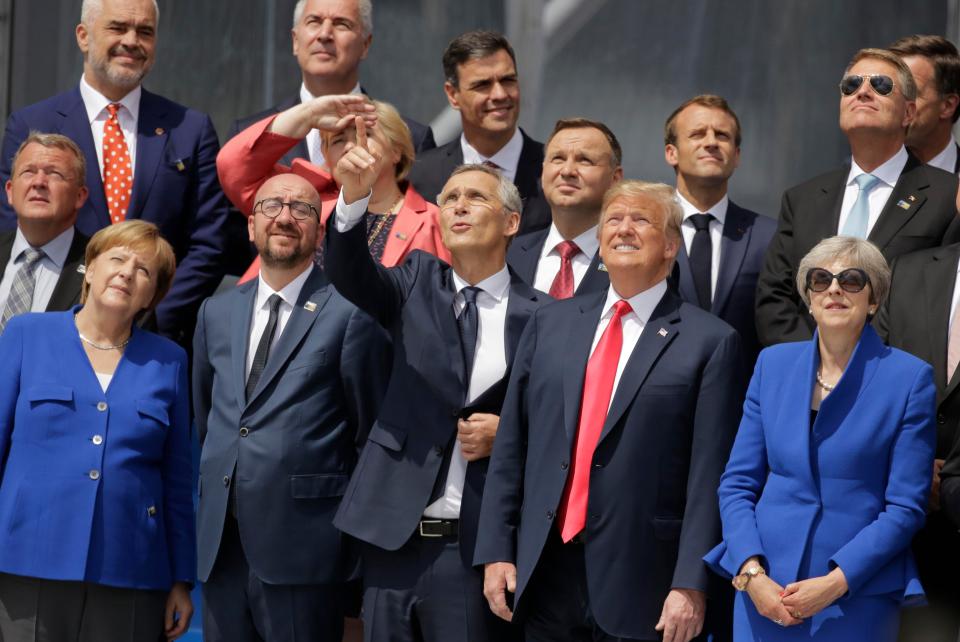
<point x="271" y="208"/>
<point x="850" y="280"/>
<point x="880" y="83"/>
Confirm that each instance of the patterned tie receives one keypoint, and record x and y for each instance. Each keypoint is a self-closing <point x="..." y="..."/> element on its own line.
<point x="469" y="323"/>
<point x="562" y="287"/>
<point x="953" y="344"/>
<point x="20" y="299"/>
<point x="117" y="171"/>
<point x="859" y="217"/>
<point x="263" y="348"/>
<point x="701" y="259"/>
<point x="597" y="390"/>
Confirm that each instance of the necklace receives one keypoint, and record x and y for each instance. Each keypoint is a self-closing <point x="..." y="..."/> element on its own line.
<point x="118" y="346"/>
<point x="375" y="232"/>
<point x="823" y="384"/>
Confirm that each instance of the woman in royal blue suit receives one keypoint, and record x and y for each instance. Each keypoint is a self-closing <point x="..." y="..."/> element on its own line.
<point x="828" y="478"/>
<point x="96" y="513"/>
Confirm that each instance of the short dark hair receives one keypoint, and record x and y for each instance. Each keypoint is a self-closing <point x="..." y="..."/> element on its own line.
<point x="616" y="152"/>
<point x="942" y="54"/>
<point x="704" y="100"/>
<point x="470" y="46"/>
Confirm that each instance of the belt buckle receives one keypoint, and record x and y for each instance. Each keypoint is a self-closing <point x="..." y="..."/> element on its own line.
<point x="429" y="521"/>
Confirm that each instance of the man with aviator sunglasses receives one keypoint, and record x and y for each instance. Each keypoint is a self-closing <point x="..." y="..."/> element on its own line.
<point x="885" y="195"/>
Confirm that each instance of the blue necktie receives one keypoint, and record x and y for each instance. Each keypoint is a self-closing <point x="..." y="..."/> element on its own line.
<point x="859" y="217"/>
<point x="469" y="323"/>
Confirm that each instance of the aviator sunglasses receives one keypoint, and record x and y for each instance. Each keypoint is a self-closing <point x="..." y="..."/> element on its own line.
<point x="850" y="280"/>
<point x="880" y="83"/>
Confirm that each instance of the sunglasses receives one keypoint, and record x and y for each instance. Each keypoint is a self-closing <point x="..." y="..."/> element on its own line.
<point x="880" y="83"/>
<point x="850" y="280"/>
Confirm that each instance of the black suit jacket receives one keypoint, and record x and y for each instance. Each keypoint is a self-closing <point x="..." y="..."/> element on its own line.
<point x="920" y="213"/>
<point x="746" y="236"/>
<point x="523" y="256"/>
<point x="432" y="169"/>
<point x="66" y="293"/>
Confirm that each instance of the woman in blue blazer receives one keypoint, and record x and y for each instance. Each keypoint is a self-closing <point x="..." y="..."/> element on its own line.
<point x="96" y="512"/>
<point x="828" y="478"/>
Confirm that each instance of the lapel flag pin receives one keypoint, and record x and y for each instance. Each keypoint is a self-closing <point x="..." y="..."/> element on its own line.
<point x="158" y="131"/>
<point x="903" y="205"/>
<point x="401" y="236"/>
<point x="601" y="267"/>
<point x="310" y="306"/>
<point x="81" y="269"/>
<point x="662" y="332"/>
<point x="180" y="166"/>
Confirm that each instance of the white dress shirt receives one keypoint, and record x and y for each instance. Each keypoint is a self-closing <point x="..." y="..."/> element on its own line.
<point x="261" y="312"/>
<point x="489" y="366"/>
<point x="507" y="157"/>
<point x="946" y="159"/>
<point x="888" y="173"/>
<point x="719" y="213"/>
<point x="313" y="136"/>
<point x="549" y="263"/>
<point x="642" y="306"/>
<point x="128" y="115"/>
<point x="955" y="299"/>
<point x="48" y="269"/>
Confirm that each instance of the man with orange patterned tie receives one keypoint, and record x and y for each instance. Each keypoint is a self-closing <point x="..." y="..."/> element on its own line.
<point x="622" y="405"/>
<point x="147" y="157"/>
<point x="581" y="162"/>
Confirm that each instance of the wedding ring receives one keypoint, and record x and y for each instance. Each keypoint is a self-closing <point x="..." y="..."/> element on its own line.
<point x="796" y="614"/>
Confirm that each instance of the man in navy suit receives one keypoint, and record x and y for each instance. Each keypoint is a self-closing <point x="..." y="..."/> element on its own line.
<point x="723" y="244"/>
<point x="621" y="409"/>
<point x="414" y="499"/>
<point x="582" y="161"/>
<point x="287" y="378"/>
<point x="170" y="149"/>
<point x="482" y="84"/>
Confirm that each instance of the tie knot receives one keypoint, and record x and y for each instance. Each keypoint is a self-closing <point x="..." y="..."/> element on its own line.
<point x="31" y="255"/>
<point x="113" y="108"/>
<point x="491" y="165"/>
<point x="274" y="302"/>
<point x="701" y="222"/>
<point x="470" y="294"/>
<point x="621" y="308"/>
<point x="866" y="182"/>
<point x="567" y="250"/>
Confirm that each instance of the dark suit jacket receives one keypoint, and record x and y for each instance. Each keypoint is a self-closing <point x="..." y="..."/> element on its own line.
<point x="523" y="256"/>
<point x="746" y="236"/>
<point x="416" y="429"/>
<point x="432" y="169"/>
<point x="174" y="186"/>
<point x="811" y="212"/>
<point x="653" y="503"/>
<point x="66" y="293"/>
<point x="291" y="446"/>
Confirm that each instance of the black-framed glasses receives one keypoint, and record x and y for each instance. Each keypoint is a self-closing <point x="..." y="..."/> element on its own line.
<point x="881" y="83"/>
<point x="850" y="280"/>
<point x="271" y="208"/>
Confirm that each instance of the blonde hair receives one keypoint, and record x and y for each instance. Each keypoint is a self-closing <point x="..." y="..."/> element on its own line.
<point x="660" y="193"/>
<point x="397" y="134"/>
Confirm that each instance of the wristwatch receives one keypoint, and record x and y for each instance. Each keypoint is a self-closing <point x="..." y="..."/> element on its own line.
<point x="740" y="581"/>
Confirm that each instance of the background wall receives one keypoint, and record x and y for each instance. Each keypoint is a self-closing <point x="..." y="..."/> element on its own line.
<point x="626" y="62"/>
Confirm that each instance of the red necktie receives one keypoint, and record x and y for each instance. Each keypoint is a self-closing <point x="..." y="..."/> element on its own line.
<point x="597" y="390"/>
<point x="117" y="171"/>
<point x="562" y="287"/>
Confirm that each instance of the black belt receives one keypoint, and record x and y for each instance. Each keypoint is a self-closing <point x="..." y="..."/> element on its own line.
<point x="438" y="527"/>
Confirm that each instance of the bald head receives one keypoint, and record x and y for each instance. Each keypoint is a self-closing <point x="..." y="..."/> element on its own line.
<point x="285" y="227"/>
<point x="274" y="186"/>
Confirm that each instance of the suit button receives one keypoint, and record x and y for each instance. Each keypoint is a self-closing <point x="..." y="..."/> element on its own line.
<point x="94" y="475"/>
<point x="151" y="511"/>
<point x="550" y="514"/>
<point x="97" y="440"/>
<point x="563" y="465"/>
<point x="244" y="431"/>
<point x="438" y="451"/>
<point x="102" y="406"/>
<point x="226" y="480"/>
<point x="941" y="419"/>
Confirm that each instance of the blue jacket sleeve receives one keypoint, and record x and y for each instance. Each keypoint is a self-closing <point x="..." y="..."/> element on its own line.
<point x="178" y="483"/>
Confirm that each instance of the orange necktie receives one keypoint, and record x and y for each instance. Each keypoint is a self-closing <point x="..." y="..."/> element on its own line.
<point x="597" y="390"/>
<point x="117" y="171"/>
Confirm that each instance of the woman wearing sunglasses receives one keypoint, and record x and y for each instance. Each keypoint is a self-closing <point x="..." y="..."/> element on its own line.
<point x="828" y="478"/>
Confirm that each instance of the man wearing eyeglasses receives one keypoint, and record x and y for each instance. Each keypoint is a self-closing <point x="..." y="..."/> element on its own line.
<point x="287" y="378"/>
<point x="886" y="195"/>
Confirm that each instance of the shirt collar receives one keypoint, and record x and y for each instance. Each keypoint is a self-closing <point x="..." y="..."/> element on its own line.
<point x="642" y="304"/>
<point x="95" y="102"/>
<point x="306" y="96"/>
<point x="507" y="157"/>
<point x="889" y="172"/>
<point x="947" y="158"/>
<point x="289" y="293"/>
<point x="56" y="250"/>
<point x="587" y="242"/>
<point x="718" y="210"/>
<point x="496" y="285"/>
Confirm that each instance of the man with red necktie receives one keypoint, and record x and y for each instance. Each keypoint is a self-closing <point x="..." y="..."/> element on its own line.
<point x="620" y="412"/>
<point x="581" y="162"/>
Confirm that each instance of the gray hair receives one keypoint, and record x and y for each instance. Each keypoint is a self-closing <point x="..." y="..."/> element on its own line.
<point x="908" y="86"/>
<point x="57" y="141"/>
<point x="364" y="8"/>
<point x="660" y="193"/>
<point x="507" y="192"/>
<point x="90" y="9"/>
<point x="860" y="253"/>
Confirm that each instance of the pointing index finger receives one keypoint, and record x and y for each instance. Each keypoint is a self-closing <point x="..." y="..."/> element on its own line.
<point x="361" y="133"/>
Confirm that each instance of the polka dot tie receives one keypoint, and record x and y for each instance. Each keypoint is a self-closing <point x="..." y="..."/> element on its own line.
<point x="117" y="172"/>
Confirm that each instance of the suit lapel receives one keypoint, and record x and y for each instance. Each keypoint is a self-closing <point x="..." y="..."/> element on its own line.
<point x="76" y="126"/>
<point x="733" y="247"/>
<point x="837" y="406"/>
<point x="595" y="278"/>
<point x="66" y="292"/>
<point x="683" y="278"/>
<point x="151" y="139"/>
<point x="956" y="164"/>
<point x="528" y="167"/>
<point x="520" y="305"/>
<point x="935" y="307"/>
<point x="240" y="337"/>
<point x="905" y="201"/>
<point x="408" y="222"/>
<point x="828" y="199"/>
<point x="6" y="247"/>
<point x="445" y="319"/>
<point x="524" y="254"/>
<point x="578" y="345"/>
